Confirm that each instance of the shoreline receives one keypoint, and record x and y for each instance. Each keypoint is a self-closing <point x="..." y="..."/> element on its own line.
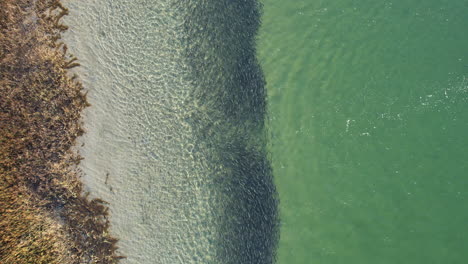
<point x="181" y="137"/>
<point x="44" y="215"/>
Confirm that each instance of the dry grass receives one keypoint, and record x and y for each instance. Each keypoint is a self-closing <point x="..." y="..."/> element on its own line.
<point x="44" y="218"/>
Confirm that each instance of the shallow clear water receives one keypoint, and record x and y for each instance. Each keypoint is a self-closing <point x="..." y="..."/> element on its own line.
<point x="175" y="136"/>
<point x="368" y="118"/>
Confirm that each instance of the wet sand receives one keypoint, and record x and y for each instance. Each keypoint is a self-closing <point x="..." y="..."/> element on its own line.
<point x="174" y="137"/>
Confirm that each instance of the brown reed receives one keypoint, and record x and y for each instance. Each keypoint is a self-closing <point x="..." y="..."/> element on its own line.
<point x="44" y="216"/>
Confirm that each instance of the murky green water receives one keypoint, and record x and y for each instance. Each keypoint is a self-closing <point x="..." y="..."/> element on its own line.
<point x="369" y="116"/>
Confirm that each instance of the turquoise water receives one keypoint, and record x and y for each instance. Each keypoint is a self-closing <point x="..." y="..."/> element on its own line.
<point x="363" y="128"/>
<point x="368" y="115"/>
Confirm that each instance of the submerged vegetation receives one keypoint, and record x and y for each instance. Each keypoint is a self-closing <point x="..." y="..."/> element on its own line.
<point x="44" y="215"/>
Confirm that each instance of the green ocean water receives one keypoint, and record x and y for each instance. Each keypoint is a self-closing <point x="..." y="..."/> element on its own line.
<point x="368" y="117"/>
